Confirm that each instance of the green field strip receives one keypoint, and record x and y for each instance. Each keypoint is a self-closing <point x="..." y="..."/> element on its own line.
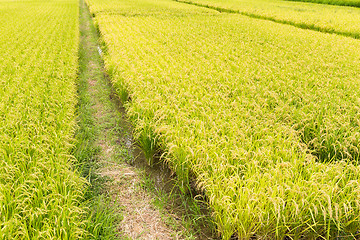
<point x="243" y="105"/>
<point x="323" y="18"/>
<point x="40" y="193"/>
<point x="348" y="3"/>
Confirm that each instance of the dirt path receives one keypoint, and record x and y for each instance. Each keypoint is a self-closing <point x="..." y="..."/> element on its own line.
<point x="123" y="185"/>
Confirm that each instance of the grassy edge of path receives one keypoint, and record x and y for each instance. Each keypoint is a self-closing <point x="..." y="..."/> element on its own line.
<point x="103" y="157"/>
<point x="101" y="220"/>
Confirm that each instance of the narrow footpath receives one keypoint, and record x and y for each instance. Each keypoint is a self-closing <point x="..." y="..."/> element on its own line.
<point x="122" y="185"/>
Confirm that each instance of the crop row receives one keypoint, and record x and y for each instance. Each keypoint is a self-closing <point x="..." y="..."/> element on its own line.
<point x="351" y="3"/>
<point x="319" y="17"/>
<point x="39" y="192"/>
<point x="256" y="111"/>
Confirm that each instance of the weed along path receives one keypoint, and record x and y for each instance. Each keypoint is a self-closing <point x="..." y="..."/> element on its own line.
<point x="128" y="194"/>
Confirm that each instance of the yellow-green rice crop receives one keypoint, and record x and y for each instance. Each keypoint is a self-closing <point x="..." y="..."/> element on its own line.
<point x="320" y="17"/>
<point x="39" y="193"/>
<point x="256" y="111"/>
<point x="352" y="3"/>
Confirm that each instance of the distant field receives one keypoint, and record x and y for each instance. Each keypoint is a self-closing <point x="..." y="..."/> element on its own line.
<point x="352" y="3"/>
<point x="265" y="116"/>
<point x="321" y="17"/>
<point x="39" y="193"/>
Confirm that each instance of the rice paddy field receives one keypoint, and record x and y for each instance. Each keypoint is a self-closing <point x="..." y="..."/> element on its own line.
<point x="302" y="14"/>
<point x="256" y="104"/>
<point x="39" y="192"/>
<point x="351" y="3"/>
<point x="263" y="116"/>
